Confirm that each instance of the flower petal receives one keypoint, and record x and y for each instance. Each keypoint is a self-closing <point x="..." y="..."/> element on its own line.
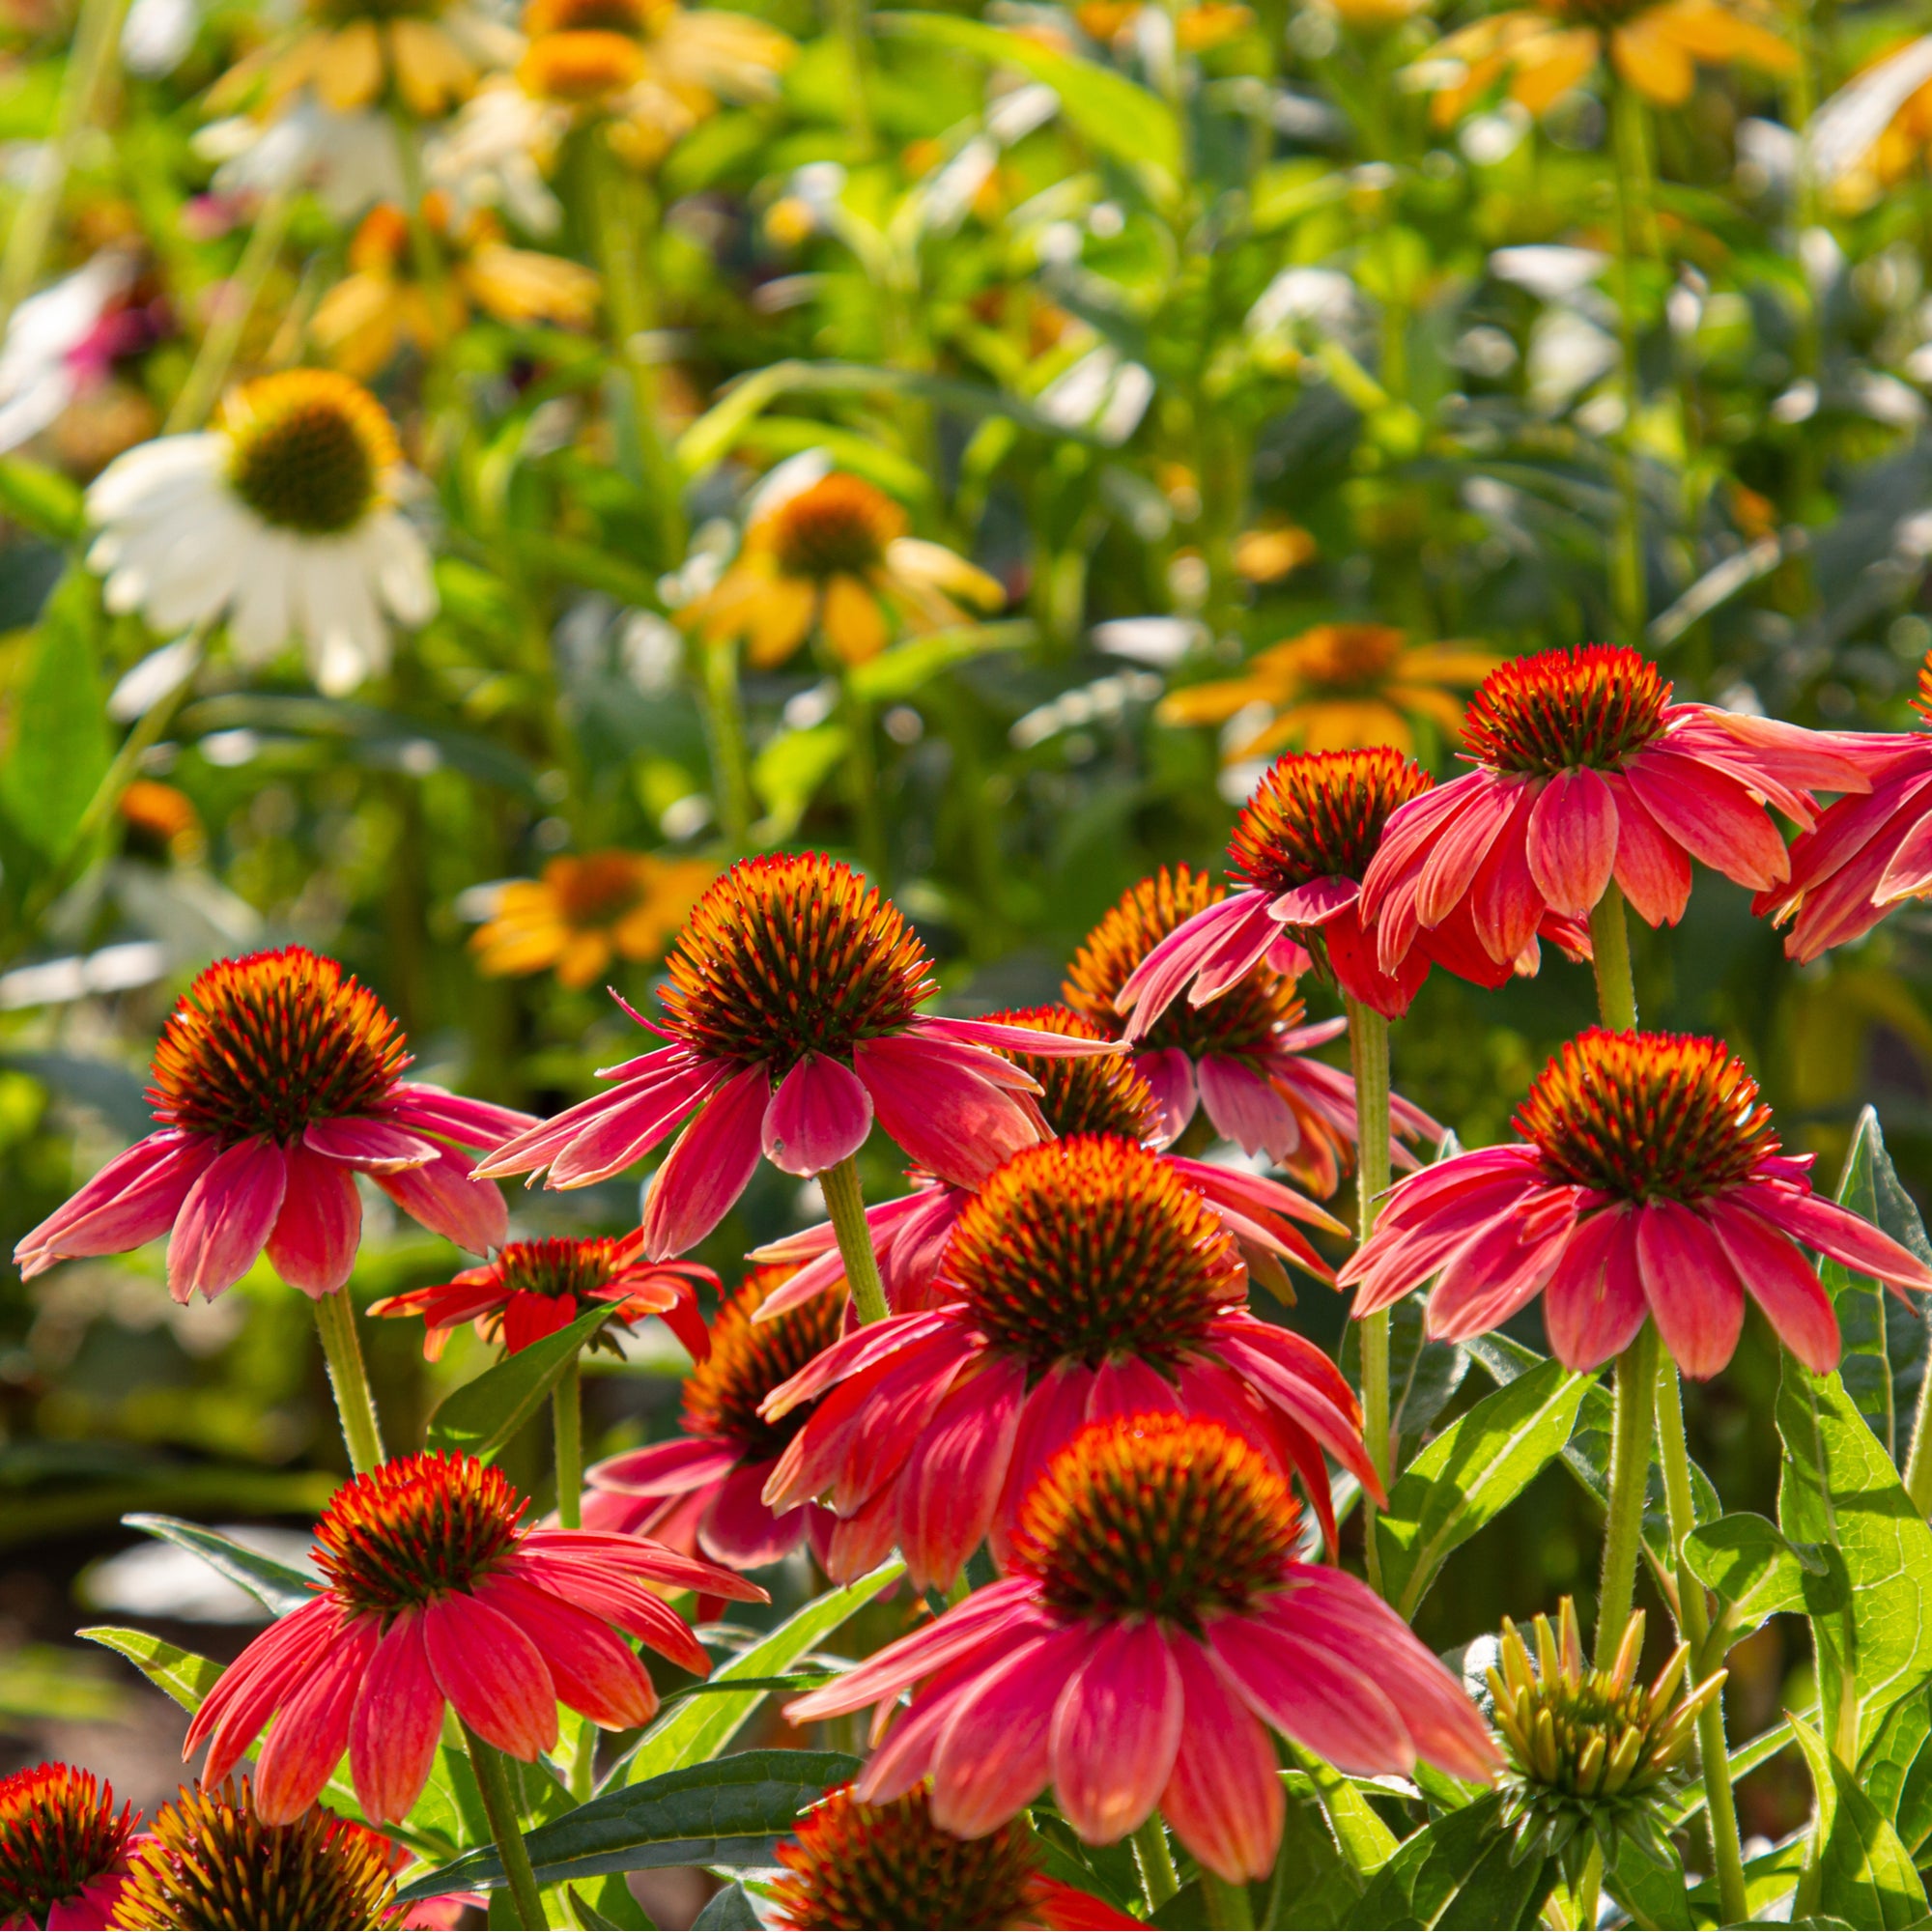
<point x="448" y="1200"/>
<point x="376" y="1146"/>
<point x="592" y="1669"/>
<point x="819" y="1115"/>
<point x="947" y="1118"/>
<point x="1115" y="1732"/>
<point x="398" y="1724"/>
<point x="709" y="1166"/>
<point x="1572" y="840"/>
<point x="493" y="1673"/>
<point x="312" y="1246"/>
<point x="1593" y="1305"/>
<point x="311" y="1730"/>
<point x="1782" y="1282"/>
<point x="992" y="1759"/>
<point x="1224" y="1797"/>
<point x="226" y="1219"/>
<point x="1692" y="1287"/>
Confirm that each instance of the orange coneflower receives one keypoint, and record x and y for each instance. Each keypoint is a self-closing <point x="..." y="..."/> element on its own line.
<point x="63" y="1848"/>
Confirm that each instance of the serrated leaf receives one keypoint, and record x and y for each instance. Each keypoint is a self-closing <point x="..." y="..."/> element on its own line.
<point x="1481" y="1462"/>
<point x="1364" y="1842"/>
<point x="483" y="1414"/>
<point x="279" y="1589"/>
<point x="728" y="1811"/>
<point x="186" y="1676"/>
<point x="1456" y="1872"/>
<point x="1863" y="1873"/>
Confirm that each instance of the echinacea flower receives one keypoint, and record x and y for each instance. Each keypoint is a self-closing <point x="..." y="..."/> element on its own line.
<point x="1085" y="1276"/>
<point x="1587" y="773"/>
<point x="1865" y="854"/>
<point x="852" y="1864"/>
<point x="276" y="1081"/>
<point x="437" y="1596"/>
<point x="1242" y="1055"/>
<point x="209" y="1862"/>
<point x="62" y="339"/>
<point x="63" y="1849"/>
<point x="281" y="518"/>
<point x="529" y="1290"/>
<point x="1197" y="27"/>
<point x="588" y="909"/>
<point x="792" y="1012"/>
<point x="834" y="554"/>
<point x="1154" y="1627"/>
<point x="1648" y="1182"/>
<point x="1335" y="688"/>
<point x="704" y="1488"/>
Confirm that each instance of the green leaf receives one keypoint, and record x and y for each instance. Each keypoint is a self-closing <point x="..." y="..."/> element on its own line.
<point x="788" y="773"/>
<point x="1864" y="1873"/>
<point x="1888" y="1766"/>
<point x="1747" y="1560"/>
<point x="59" y="752"/>
<point x="483" y="1414"/>
<point x="185" y="1676"/>
<point x="607" y="1906"/>
<point x="1423" y="1374"/>
<point x="1313" y="1884"/>
<point x="1481" y="1462"/>
<point x="1456" y="1872"/>
<point x="276" y="1586"/>
<point x="1653" y="1895"/>
<point x="41" y="499"/>
<point x="1872" y="1606"/>
<point x="1364" y="1842"/>
<point x="905" y="669"/>
<point x="728" y="1911"/>
<point x="1126" y="122"/>
<point x="1912" y="1816"/>
<point x="730" y="1811"/>
<point x="702" y="1726"/>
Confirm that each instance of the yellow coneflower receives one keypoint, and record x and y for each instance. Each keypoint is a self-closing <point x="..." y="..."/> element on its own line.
<point x="586" y="910"/>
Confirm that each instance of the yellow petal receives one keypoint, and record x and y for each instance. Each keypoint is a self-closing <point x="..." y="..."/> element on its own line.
<point x="1212" y="703"/>
<point x="433" y="74"/>
<point x="1716" y="34"/>
<point x="1447" y="664"/>
<point x="1347" y="725"/>
<point x="521" y="285"/>
<point x="1653" y="63"/>
<point x="348" y="67"/>
<point x="924" y="564"/>
<point x="852" y="619"/>
<point x="584" y="959"/>
<point x="1551" y="65"/>
<point x="780" y="620"/>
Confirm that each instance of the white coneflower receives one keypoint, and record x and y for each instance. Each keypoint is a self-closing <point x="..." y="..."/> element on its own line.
<point x="281" y="518"/>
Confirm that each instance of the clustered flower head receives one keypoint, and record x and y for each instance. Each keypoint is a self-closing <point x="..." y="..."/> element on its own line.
<point x="63" y="1848"/>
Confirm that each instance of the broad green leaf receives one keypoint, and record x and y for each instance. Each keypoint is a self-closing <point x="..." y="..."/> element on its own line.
<point x="1863" y="1873"/>
<point x="1912" y="1816"/>
<point x="1889" y="1761"/>
<point x="276" y="1586"/>
<point x="1136" y="128"/>
<point x="905" y="669"/>
<point x="1481" y="1462"/>
<point x="607" y="1905"/>
<point x="1456" y="1872"/>
<point x="701" y="1727"/>
<point x="483" y="1414"/>
<point x="728" y="1911"/>
<point x="184" y="1675"/>
<point x="1312" y="1883"/>
<point x="1747" y="1560"/>
<point x="58" y="754"/>
<point x="1653" y="1895"/>
<point x="1363" y="1840"/>
<point x="730" y="1811"/>
<point x="1872" y="1606"/>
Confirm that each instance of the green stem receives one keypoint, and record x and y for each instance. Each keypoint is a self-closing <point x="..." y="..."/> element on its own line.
<point x="493" y="1780"/>
<point x="1159" y="1878"/>
<point x="566" y="1404"/>
<point x="1228" y="1904"/>
<point x="1630" y="1472"/>
<point x="335" y="1324"/>
<point x="725" y="732"/>
<point x="1628" y="599"/>
<point x="847" y="20"/>
<point x="846" y="1203"/>
<point x="1369" y="1052"/>
<point x="1590" y="1888"/>
<point x="1918" y="1457"/>
<point x="216" y="356"/>
<point x="1610" y="947"/>
<point x="1694" y="1621"/>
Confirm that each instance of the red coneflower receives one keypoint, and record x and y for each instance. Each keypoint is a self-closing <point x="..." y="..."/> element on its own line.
<point x="438" y="1595"/>
<point x="1154" y="1627"/>
<point x="276" y="1081"/>
<point x="532" y="1288"/>
<point x="793" y="1017"/>
<point x="854" y="1866"/>
<point x="1649" y="1181"/>
<point x="1587" y="773"/>
<point x="1087" y="1276"/>
<point x="63" y="1848"/>
<point x="704" y="1490"/>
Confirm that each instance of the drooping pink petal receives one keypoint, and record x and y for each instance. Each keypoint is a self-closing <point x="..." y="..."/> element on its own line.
<point x="1128" y="1385"/>
<point x="1837" y="1232"/>
<point x="448" y="1200"/>
<point x="375" y="1146"/>
<point x="493" y="1673"/>
<point x="896" y="1408"/>
<point x="1593" y="1305"/>
<point x="1451" y="866"/>
<point x="1246" y="1109"/>
<point x="1013" y="1038"/>
<point x="1711" y="816"/>
<point x="709" y="1168"/>
<point x="819" y="1115"/>
<point x="453" y="1116"/>
<point x="627" y="1122"/>
<point x="667" y="1468"/>
<point x="287" y="1653"/>
<point x="958" y="1470"/>
<point x="592" y="1669"/>
<point x="1780" y="1281"/>
<point x="1336" y="1426"/>
<point x="1170" y="1072"/>
<point x="225" y="1221"/>
<point x="1488" y="1279"/>
<point x="1154" y="984"/>
<point x="1572" y="840"/>
<point x="1652" y="869"/>
<point x="1411" y="830"/>
<point x="1504" y="900"/>
<point x="398" y="1724"/>
<point x="545" y="1553"/>
<point x="1053" y="1409"/>
<point x="1115" y="1732"/>
<point x="133" y="1199"/>
<point x="947" y="1118"/>
<point x="860" y="1540"/>
<point x="1691" y="1289"/>
<point x="1356" y="958"/>
<point x="739" y="1529"/>
<point x="312" y="1246"/>
<point x="1224" y="1797"/>
<point x="627" y="1606"/>
<point x="311" y="1730"/>
<point x="851" y="1355"/>
<point x="1312" y="1693"/>
<point x="992" y="1759"/>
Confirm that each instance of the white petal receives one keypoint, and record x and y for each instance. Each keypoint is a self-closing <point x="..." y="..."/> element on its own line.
<point x="402" y="568"/>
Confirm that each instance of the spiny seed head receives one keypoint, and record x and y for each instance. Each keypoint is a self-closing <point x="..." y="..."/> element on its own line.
<point x="417" y="1528"/>
<point x="58" y="1832"/>
<point x="1319" y="815"/>
<point x="1091" y="1246"/>
<point x="1162" y="1516"/>
<point x="1104" y="1094"/>
<point x="1647" y="1115"/>
<point x="309" y="450"/>
<point x="270" y="1043"/>
<point x="792" y="954"/>
<point x="1593" y="1753"/>
<point x="856" y="1865"/>
<point x="1244" y="1020"/>
<point x="748" y="1359"/>
<point x="1562" y="708"/>
<point x="840" y="526"/>
<point x="575" y="1266"/>
<point x="210" y="1862"/>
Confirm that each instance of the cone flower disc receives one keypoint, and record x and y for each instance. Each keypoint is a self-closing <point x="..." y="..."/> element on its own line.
<point x="438" y="1595"/>
<point x="1155" y="1626"/>
<point x="1649" y="1181"/>
<point x="276" y="1081"/>
<point x="793" y="1017"/>
<point x="63" y="1849"/>
<point x="1086" y="1277"/>
<point x="1585" y="772"/>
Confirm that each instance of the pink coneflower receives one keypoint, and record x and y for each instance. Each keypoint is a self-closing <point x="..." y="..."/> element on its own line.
<point x="1085" y="1277"/>
<point x="437" y="1596"/>
<point x="793" y="1017"/>
<point x="1587" y="772"/>
<point x="1864" y="855"/>
<point x="276" y="1083"/>
<point x="63" y="1849"/>
<point x="1154" y="1627"/>
<point x="704" y="1488"/>
<point x="1648" y="1182"/>
<point x="532" y="1288"/>
<point x="1244" y="1054"/>
<point x="1102" y="1096"/>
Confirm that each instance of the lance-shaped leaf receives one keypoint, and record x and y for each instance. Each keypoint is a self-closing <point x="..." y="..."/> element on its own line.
<point x="276" y="1586"/>
<point x="483" y="1414"/>
<point x="184" y="1675"/>
<point x="1861" y="1872"/>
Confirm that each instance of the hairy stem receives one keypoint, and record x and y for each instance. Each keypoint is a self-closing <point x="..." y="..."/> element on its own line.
<point x="566" y="1406"/>
<point x="493" y="1780"/>
<point x="1630" y="1470"/>
<point x="1609" y="946"/>
<point x="335" y="1324"/>
<point x="1159" y="1878"/>
<point x="1229" y="1908"/>
<point x="1918" y="1457"/>
<point x="1369" y="1052"/>
<point x="846" y="1203"/>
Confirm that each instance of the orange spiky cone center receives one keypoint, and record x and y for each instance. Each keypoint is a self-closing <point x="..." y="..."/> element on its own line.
<point x="1319" y="815"/>
<point x="58" y="1832"/>
<point x="1563" y="708"/>
<point x="748" y="1359"/>
<point x="1100" y="1095"/>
